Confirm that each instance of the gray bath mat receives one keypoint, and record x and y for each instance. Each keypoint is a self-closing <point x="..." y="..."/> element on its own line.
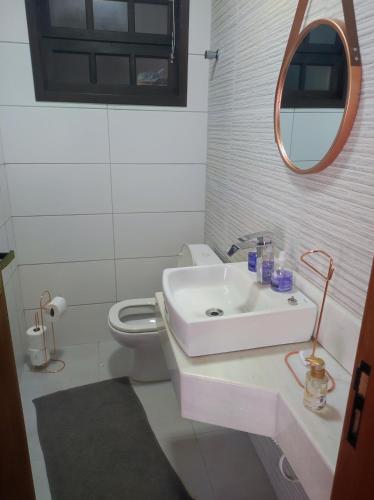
<point x="98" y="445"/>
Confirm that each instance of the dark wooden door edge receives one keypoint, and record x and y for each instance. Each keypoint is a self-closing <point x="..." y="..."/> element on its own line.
<point x="15" y="471"/>
<point x="354" y="477"/>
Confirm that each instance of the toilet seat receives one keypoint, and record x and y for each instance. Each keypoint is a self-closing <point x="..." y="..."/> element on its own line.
<point x="135" y="316"/>
<point x="137" y="324"/>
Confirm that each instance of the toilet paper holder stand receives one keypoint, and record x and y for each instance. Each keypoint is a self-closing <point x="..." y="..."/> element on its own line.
<point x="45" y="299"/>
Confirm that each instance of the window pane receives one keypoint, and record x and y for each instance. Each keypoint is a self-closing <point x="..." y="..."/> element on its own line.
<point x="110" y="15"/>
<point x="317" y="77"/>
<point x="65" y="67"/>
<point x="151" y="71"/>
<point x="113" y="70"/>
<point x="293" y="77"/>
<point x="151" y="18"/>
<point x="68" y="13"/>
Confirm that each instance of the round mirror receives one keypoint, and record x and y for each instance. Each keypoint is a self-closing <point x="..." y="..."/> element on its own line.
<point x="317" y="97"/>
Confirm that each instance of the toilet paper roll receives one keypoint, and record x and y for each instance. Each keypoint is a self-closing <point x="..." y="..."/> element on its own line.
<point x="55" y="309"/>
<point x="38" y="357"/>
<point x="35" y="337"/>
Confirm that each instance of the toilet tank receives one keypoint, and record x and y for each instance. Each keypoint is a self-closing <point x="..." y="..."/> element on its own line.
<point x="197" y="255"/>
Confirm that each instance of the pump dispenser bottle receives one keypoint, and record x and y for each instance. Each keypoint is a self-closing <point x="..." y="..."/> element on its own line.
<point x="316" y="385"/>
<point x="281" y="278"/>
<point x="265" y="262"/>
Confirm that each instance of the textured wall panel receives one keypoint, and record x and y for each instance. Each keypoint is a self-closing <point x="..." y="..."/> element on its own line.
<point x="248" y="187"/>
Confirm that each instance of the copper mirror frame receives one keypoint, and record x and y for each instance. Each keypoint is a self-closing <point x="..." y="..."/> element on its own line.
<point x="348" y="35"/>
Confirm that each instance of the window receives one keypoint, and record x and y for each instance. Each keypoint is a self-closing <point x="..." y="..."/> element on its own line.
<point x="110" y="51"/>
<point x="317" y="75"/>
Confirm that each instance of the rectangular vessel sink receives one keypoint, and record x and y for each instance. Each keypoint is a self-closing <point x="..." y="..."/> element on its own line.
<point x="221" y="308"/>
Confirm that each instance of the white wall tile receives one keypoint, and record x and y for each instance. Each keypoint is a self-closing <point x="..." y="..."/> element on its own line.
<point x="16" y="83"/>
<point x="78" y="282"/>
<point x="4" y="197"/>
<point x="158" y="188"/>
<point x="80" y="325"/>
<point x="2" y="159"/>
<point x="141" y="278"/>
<point x="54" y="135"/>
<point x="8" y="271"/>
<point x="198" y="83"/>
<point x="200" y="21"/>
<point x="4" y="245"/>
<point x="15" y="314"/>
<point x="153" y="235"/>
<point x="13" y="23"/>
<point x="10" y="233"/>
<point x="63" y="238"/>
<point x="157" y="137"/>
<point x="59" y="189"/>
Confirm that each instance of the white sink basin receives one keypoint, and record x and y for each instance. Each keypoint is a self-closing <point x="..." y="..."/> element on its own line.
<point x="252" y="316"/>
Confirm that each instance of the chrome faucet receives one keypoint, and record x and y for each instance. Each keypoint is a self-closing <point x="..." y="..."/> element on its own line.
<point x="258" y="240"/>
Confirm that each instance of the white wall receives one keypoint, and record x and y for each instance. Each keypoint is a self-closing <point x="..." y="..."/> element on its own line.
<point x="102" y="196"/>
<point x="248" y="187"/>
<point x="5" y="215"/>
<point x="10" y="275"/>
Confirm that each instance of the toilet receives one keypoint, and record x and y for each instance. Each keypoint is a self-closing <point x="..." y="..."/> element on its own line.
<point x="136" y="323"/>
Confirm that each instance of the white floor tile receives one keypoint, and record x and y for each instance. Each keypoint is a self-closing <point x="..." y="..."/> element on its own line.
<point x="203" y="428"/>
<point x="80" y="369"/>
<point x="184" y="455"/>
<point x="161" y="406"/>
<point x="35" y="451"/>
<point x="41" y="484"/>
<point x="81" y="364"/>
<point x="39" y="473"/>
<point x="234" y="468"/>
<point x="114" y="360"/>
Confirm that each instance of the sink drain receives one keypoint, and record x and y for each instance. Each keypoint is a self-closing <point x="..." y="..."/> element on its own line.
<point x="214" y="312"/>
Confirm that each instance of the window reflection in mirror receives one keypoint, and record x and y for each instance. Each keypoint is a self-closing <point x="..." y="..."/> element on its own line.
<point x="314" y="97"/>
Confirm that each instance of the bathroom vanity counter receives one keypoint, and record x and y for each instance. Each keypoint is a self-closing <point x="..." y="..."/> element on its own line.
<point x="254" y="391"/>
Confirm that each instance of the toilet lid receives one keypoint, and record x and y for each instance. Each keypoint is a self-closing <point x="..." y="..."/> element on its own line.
<point x="135" y="316"/>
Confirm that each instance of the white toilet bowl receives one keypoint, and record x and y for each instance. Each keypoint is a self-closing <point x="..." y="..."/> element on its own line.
<point x="136" y="324"/>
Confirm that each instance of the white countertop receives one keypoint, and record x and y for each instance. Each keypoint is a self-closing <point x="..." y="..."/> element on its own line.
<point x="254" y="391"/>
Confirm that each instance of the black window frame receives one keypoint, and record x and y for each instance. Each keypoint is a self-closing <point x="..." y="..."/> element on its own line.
<point x="43" y="37"/>
<point x="310" y="54"/>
